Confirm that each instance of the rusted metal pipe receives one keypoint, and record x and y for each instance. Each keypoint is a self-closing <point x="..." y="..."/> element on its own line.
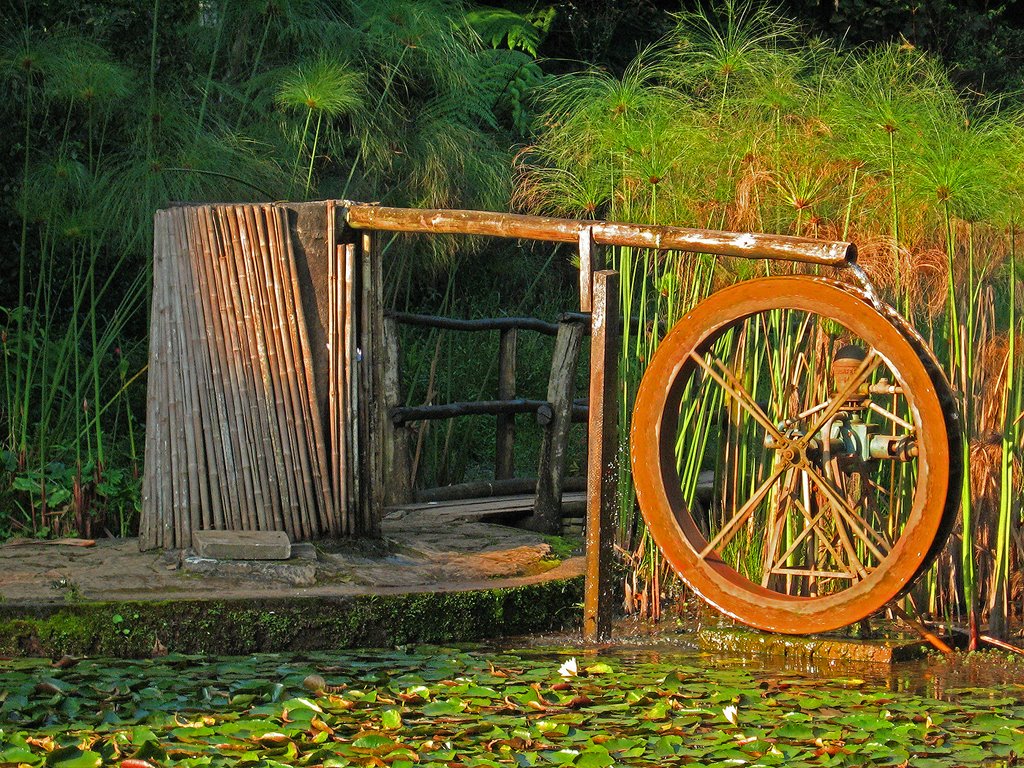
<point x="512" y="225"/>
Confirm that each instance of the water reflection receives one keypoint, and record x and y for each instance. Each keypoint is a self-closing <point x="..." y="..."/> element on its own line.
<point x="932" y="675"/>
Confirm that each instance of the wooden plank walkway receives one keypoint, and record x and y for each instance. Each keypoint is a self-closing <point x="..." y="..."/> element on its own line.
<point x="492" y="508"/>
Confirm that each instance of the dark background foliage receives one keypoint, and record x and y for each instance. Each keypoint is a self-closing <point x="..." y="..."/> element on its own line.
<point x="982" y="43"/>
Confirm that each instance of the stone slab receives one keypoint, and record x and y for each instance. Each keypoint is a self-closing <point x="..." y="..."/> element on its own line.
<point x="817" y="649"/>
<point x="298" y="571"/>
<point x="242" y="545"/>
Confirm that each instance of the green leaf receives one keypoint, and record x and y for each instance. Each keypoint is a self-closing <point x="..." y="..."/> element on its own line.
<point x="444" y="708"/>
<point x="301" y="703"/>
<point x="17" y="755"/>
<point x="594" y="757"/>
<point x="561" y="757"/>
<point x="795" y="731"/>
<point x="373" y="741"/>
<point x="391" y="719"/>
<point x="73" y="757"/>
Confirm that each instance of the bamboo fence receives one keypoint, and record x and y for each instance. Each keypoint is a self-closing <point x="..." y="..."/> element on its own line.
<point x="234" y="437"/>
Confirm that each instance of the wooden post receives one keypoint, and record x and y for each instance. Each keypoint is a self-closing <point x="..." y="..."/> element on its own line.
<point x="504" y="457"/>
<point x="397" y="459"/>
<point x="547" y="507"/>
<point x="372" y="332"/>
<point x="590" y="263"/>
<point x="602" y="488"/>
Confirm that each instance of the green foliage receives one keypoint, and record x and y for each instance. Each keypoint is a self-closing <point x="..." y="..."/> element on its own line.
<point x="436" y="706"/>
<point x="980" y="43"/>
<point x="732" y="122"/>
<point x="500" y="27"/>
<point x="239" y="101"/>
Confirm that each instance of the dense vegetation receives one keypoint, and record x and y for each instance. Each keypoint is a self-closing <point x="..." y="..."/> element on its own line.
<point x="395" y="101"/>
<point x="737" y="119"/>
<point x="733" y="122"/>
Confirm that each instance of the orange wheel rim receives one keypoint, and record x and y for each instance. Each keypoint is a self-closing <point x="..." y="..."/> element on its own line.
<point x="795" y="485"/>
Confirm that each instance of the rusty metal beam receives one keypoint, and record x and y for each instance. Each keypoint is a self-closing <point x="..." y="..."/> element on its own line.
<point x="742" y="244"/>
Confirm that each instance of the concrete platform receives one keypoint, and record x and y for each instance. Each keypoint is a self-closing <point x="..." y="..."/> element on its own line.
<point x="821" y="650"/>
<point x="437" y="575"/>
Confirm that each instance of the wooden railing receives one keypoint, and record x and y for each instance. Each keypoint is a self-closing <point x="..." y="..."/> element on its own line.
<point x="555" y="414"/>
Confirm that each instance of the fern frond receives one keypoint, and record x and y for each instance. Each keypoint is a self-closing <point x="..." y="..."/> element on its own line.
<point x="503" y="28"/>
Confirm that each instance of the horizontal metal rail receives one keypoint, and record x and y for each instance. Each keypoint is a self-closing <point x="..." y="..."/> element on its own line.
<point x="745" y="245"/>
<point x="404" y="414"/>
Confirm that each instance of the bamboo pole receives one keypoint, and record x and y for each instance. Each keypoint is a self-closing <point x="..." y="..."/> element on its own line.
<point x="334" y="403"/>
<point x="352" y="399"/>
<point x="230" y="459"/>
<point x="248" y="365"/>
<point x="296" y="353"/>
<point x="201" y="343"/>
<point x="281" y="279"/>
<point x="364" y="458"/>
<point x="268" y="454"/>
<point x="250" y="494"/>
<point x="346" y="420"/>
<point x="149" y="507"/>
<point x="341" y="375"/>
<point x="259" y="277"/>
<point x="167" y="532"/>
<point x="185" y="371"/>
<point x="292" y="372"/>
<point x="151" y="521"/>
<point x="175" y="402"/>
<point x="373" y="346"/>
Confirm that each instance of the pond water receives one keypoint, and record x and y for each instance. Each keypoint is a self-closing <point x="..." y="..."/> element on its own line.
<point x="486" y="706"/>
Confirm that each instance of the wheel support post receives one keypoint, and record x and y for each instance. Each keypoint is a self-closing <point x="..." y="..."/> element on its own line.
<point x="602" y="473"/>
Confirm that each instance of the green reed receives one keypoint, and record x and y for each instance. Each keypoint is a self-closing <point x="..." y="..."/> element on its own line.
<point x="732" y="123"/>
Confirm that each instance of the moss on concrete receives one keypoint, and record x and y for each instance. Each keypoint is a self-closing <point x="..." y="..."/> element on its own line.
<point x="809" y="649"/>
<point x="133" y="628"/>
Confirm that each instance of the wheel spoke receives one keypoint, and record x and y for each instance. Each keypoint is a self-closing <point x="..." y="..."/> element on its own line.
<point x="775" y="529"/>
<point x="847" y="512"/>
<point x="886" y="413"/>
<point x="724" y="536"/>
<point x="812" y="523"/>
<point x="727" y="380"/>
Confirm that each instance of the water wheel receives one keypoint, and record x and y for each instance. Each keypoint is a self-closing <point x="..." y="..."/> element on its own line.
<point x="796" y="453"/>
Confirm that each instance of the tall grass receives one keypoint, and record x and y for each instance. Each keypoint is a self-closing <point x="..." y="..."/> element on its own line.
<point x="731" y="123"/>
<point x="394" y="100"/>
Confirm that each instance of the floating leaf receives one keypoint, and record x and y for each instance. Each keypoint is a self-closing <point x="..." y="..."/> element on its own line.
<point x="444" y="708"/>
<point x="20" y="755"/>
<point x="73" y="757"/>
